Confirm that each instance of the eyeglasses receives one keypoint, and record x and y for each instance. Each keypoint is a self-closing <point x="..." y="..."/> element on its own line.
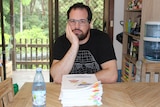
<point x="81" y="22"/>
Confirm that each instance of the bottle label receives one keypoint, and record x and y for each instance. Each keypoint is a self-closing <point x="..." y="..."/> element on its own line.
<point x="39" y="97"/>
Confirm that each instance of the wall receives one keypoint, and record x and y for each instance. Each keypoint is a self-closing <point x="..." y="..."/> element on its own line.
<point x="118" y="16"/>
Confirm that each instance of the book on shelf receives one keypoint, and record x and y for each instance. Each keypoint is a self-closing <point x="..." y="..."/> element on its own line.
<point x="125" y="77"/>
<point x="129" y="71"/>
<point x="129" y="45"/>
<point x="133" y="48"/>
<point x="133" y="70"/>
<point x="127" y="64"/>
<point x="80" y="90"/>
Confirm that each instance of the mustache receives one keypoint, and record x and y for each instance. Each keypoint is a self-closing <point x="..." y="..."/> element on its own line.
<point x="77" y="29"/>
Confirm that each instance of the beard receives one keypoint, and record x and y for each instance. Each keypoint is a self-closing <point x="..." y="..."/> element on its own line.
<point x="80" y="34"/>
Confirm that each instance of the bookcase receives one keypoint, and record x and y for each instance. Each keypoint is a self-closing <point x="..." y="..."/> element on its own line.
<point x="131" y="38"/>
<point x="149" y="11"/>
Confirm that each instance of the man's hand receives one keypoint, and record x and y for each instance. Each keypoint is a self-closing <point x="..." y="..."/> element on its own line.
<point x="64" y="66"/>
<point x="71" y="36"/>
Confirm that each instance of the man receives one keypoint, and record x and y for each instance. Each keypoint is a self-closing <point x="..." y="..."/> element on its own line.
<point x="82" y="49"/>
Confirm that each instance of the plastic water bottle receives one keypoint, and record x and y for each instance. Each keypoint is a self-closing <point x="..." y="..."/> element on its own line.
<point x="138" y="71"/>
<point x="39" y="90"/>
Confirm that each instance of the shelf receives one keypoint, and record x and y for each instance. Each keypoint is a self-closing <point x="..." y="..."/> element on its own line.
<point x="134" y="10"/>
<point x="150" y="62"/>
<point x="131" y="41"/>
<point x="135" y="37"/>
<point x="130" y="58"/>
<point x="127" y="80"/>
<point x="124" y="79"/>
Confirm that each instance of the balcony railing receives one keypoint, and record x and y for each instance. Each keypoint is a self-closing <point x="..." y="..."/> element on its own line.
<point x="30" y="54"/>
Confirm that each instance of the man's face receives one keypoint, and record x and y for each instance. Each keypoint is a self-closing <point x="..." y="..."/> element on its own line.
<point x="79" y="23"/>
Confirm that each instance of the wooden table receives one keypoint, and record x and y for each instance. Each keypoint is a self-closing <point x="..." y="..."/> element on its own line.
<point x="115" y="95"/>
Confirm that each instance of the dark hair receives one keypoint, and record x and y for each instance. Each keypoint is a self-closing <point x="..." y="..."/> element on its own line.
<point x="82" y="6"/>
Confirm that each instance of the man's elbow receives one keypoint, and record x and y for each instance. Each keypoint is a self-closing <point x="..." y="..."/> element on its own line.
<point x="110" y="80"/>
<point x="57" y="80"/>
<point x="114" y="79"/>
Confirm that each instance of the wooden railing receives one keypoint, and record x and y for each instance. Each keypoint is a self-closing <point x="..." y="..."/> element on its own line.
<point x="31" y="54"/>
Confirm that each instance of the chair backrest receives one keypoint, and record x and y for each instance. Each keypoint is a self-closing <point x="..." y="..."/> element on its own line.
<point x="6" y="92"/>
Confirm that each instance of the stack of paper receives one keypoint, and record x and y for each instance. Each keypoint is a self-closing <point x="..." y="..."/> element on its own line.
<point x="81" y="90"/>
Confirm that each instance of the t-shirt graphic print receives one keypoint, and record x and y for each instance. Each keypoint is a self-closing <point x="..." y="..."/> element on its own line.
<point x="85" y="63"/>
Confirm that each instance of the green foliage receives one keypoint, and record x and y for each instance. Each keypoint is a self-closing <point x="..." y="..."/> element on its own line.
<point x="37" y="14"/>
<point x="25" y="2"/>
<point x="6" y="36"/>
<point x="6" y="13"/>
<point x="6" y="7"/>
<point x="31" y="36"/>
<point x="7" y="41"/>
<point x="35" y="19"/>
<point x="34" y="33"/>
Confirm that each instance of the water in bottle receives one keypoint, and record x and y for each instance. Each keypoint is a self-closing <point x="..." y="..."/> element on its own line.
<point x="39" y="90"/>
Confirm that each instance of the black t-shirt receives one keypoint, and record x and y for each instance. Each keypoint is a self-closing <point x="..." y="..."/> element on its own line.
<point x="90" y="56"/>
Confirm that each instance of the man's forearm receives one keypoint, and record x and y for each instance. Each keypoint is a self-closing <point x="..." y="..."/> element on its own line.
<point x="109" y="72"/>
<point x="64" y="66"/>
<point x="106" y="77"/>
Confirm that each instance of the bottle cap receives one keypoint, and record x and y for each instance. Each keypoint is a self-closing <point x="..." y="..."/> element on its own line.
<point x="38" y="69"/>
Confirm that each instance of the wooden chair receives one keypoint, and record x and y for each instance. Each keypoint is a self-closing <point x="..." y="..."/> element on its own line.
<point x="150" y="71"/>
<point x="6" y="92"/>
